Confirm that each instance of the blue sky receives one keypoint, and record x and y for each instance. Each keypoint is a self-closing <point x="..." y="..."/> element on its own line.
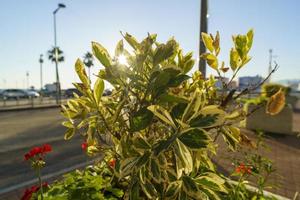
<point x="27" y="31"/>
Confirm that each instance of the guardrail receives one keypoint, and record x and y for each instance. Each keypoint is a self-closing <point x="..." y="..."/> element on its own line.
<point x="29" y="102"/>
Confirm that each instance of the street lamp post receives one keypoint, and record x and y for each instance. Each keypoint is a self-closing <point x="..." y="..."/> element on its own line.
<point x="41" y="73"/>
<point x="203" y="28"/>
<point x="58" y="91"/>
<point x="27" y="80"/>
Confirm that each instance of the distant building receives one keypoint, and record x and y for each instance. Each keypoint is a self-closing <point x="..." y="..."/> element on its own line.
<point x="249" y="81"/>
<point x="220" y="80"/>
<point x="294" y="86"/>
<point x="233" y="85"/>
<point x="50" y="87"/>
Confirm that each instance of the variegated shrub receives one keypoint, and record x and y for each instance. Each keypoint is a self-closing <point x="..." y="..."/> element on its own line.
<point x="159" y="123"/>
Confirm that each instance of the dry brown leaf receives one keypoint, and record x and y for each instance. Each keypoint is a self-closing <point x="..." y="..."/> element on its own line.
<point x="276" y="103"/>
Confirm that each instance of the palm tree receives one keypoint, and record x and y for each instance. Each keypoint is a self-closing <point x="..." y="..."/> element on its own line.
<point x="88" y="61"/>
<point x="56" y="55"/>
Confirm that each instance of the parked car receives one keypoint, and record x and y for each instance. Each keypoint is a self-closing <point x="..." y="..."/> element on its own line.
<point x="32" y="93"/>
<point x="14" y="94"/>
<point x="1" y="91"/>
<point x="69" y="92"/>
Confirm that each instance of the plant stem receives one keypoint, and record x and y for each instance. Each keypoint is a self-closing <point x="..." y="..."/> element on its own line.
<point x="40" y="182"/>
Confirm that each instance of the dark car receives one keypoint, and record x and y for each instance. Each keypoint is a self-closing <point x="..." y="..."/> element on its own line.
<point x="70" y="92"/>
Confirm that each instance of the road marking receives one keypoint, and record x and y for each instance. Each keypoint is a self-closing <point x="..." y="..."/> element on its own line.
<point x="46" y="177"/>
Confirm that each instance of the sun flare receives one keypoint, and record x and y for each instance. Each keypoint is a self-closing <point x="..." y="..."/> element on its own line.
<point x="122" y="60"/>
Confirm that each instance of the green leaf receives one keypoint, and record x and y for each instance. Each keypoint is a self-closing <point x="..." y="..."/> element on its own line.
<point x="69" y="133"/>
<point x="131" y="41"/>
<point x="161" y="80"/>
<point x="204" y="121"/>
<point x="211" y="181"/>
<point x="208" y="41"/>
<point x="211" y="60"/>
<point x="143" y="159"/>
<point x="193" y="107"/>
<point x="134" y="191"/>
<point x="235" y="60"/>
<point x="176" y="81"/>
<point x="155" y="170"/>
<point x="231" y="136"/>
<point x="209" y="116"/>
<point x="164" y="144"/>
<point x="141" y="143"/>
<point x="164" y="51"/>
<point x="188" y="65"/>
<point x="101" y="54"/>
<point x="127" y="165"/>
<point x="162" y="114"/>
<point x="240" y="42"/>
<point x="80" y="70"/>
<point x="68" y="124"/>
<point x="119" y="48"/>
<point x="98" y="90"/>
<point x="141" y="119"/>
<point x="194" y="138"/>
<point x="250" y="35"/>
<point x="173" y="189"/>
<point x="149" y="190"/>
<point x="172" y="98"/>
<point x="189" y="185"/>
<point x="184" y="155"/>
<point x="216" y="43"/>
<point x="178" y="110"/>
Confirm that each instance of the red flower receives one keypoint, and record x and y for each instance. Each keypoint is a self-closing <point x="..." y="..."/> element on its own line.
<point x="28" y="192"/>
<point x="112" y="163"/>
<point x="37" y="151"/>
<point x="45" y="184"/>
<point x="84" y="146"/>
<point x="47" y="148"/>
<point x="27" y="195"/>
<point x="27" y="156"/>
<point x="243" y="169"/>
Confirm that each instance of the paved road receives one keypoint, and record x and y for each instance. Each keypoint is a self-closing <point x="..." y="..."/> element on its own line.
<point x="21" y="130"/>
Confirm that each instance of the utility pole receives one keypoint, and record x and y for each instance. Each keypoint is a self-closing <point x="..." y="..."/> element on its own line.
<point x="203" y="28"/>
<point x="271" y="56"/>
<point x="41" y="70"/>
<point x="58" y="89"/>
<point x="27" y="79"/>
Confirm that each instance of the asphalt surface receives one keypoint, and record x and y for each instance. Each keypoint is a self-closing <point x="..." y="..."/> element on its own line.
<point x="21" y="130"/>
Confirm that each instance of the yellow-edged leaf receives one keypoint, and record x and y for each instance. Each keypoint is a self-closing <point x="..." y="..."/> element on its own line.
<point x="208" y="41"/>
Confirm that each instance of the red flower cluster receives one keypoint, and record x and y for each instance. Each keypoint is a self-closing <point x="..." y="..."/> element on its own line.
<point x="28" y="192"/>
<point x="243" y="169"/>
<point x="112" y="163"/>
<point x="38" y="151"/>
<point x="84" y="146"/>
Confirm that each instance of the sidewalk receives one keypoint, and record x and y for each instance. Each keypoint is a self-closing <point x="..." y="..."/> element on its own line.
<point x="284" y="151"/>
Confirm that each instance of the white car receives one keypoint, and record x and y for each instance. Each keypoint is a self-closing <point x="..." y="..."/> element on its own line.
<point x="32" y="93"/>
<point x="14" y="94"/>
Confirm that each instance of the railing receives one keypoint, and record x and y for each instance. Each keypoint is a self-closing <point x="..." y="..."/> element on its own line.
<point x="28" y="102"/>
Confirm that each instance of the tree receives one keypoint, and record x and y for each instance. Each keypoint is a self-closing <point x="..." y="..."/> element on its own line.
<point x="52" y="55"/>
<point x="88" y="62"/>
<point x="56" y="56"/>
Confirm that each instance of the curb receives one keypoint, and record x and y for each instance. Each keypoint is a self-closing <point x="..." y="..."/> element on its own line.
<point x="29" y="108"/>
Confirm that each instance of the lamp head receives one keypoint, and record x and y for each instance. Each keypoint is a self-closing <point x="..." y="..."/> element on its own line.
<point x="60" y="5"/>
